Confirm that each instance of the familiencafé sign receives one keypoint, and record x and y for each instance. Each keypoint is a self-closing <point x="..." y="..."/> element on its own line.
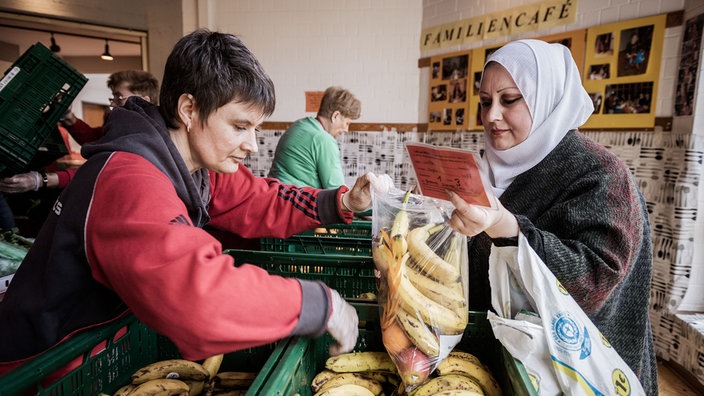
<point x="536" y="16"/>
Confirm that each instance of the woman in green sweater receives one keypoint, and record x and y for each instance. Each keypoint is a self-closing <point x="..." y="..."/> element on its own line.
<point x="307" y="153"/>
<point x="576" y="203"/>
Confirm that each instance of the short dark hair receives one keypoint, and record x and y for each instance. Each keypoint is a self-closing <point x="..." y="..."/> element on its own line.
<point x="342" y="100"/>
<point x="140" y="82"/>
<point x="215" y="68"/>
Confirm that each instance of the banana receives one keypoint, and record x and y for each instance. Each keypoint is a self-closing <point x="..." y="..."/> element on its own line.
<point x="456" y="392"/>
<point x="172" y="369"/>
<point x="463" y="363"/>
<point x="160" y="387"/>
<point x="402" y="222"/>
<point x="467" y="356"/>
<point x="125" y="390"/>
<point x="195" y="387"/>
<point x="382" y="258"/>
<point x="399" y="245"/>
<point x="419" y="333"/>
<point x="444" y="319"/>
<point x="445" y="383"/>
<point x="233" y="380"/>
<point x="379" y="377"/>
<point x="371" y="296"/>
<point x="356" y="362"/>
<point x="320" y="379"/>
<point x="430" y="263"/>
<point x="352" y="378"/>
<point x="346" y="390"/>
<point x="452" y="256"/>
<point x="447" y="296"/>
<point x="212" y="364"/>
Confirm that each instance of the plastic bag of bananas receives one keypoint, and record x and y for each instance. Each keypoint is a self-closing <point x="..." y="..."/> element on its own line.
<point x="422" y="281"/>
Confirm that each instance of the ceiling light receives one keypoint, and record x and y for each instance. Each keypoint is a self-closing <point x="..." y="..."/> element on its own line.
<point x="54" y="47"/>
<point x="106" y="55"/>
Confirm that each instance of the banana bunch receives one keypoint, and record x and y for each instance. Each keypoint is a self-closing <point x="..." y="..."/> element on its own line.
<point x="185" y="377"/>
<point x="422" y="294"/>
<point x="462" y="373"/>
<point x="356" y="373"/>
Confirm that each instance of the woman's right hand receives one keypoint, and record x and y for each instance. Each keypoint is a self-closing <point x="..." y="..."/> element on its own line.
<point x="20" y="183"/>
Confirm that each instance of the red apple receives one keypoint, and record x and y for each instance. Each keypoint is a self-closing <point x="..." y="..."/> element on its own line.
<point x="413" y="366"/>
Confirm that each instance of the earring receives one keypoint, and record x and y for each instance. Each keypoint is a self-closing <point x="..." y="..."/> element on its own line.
<point x="188" y="127"/>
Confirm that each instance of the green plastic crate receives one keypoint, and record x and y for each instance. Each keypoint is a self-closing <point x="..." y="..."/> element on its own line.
<point x="305" y="357"/>
<point x="351" y="239"/>
<point x="34" y="93"/>
<point x="349" y="275"/>
<point x="129" y="346"/>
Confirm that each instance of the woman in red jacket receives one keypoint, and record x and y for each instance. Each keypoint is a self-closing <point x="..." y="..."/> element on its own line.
<point x="126" y="234"/>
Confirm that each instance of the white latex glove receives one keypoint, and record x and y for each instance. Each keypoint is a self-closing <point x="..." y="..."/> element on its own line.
<point x="471" y="219"/>
<point x="21" y="182"/>
<point x="381" y="184"/>
<point x="342" y="325"/>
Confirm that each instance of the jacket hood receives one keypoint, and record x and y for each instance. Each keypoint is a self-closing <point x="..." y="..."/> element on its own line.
<point x="139" y="128"/>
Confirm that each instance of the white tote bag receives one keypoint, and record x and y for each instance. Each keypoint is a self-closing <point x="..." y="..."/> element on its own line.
<point x="561" y="348"/>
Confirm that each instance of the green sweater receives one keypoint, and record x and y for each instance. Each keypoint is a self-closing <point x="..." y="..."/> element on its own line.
<point x="582" y="212"/>
<point x="307" y="155"/>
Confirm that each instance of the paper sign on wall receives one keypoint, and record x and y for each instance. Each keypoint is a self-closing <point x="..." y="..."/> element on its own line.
<point x="313" y="99"/>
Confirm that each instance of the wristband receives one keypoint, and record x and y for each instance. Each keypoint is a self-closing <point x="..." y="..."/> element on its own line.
<point x="37" y="180"/>
<point x="345" y="203"/>
<point x="45" y="179"/>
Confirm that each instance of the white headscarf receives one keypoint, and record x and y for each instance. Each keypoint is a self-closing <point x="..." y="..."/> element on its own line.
<point x="552" y="87"/>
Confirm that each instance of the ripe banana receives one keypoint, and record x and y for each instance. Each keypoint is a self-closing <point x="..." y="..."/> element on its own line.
<point x="456" y="392"/>
<point x="419" y="333"/>
<point x="195" y="387"/>
<point x="212" y="364"/>
<point x="463" y="363"/>
<point x="125" y="390"/>
<point x="356" y="362"/>
<point x="371" y="296"/>
<point x="352" y="378"/>
<point x="382" y="258"/>
<point x="161" y="387"/>
<point x="233" y="380"/>
<point x="399" y="245"/>
<point x="172" y="369"/>
<point x="320" y="379"/>
<point x="452" y="256"/>
<point x="402" y="221"/>
<point x="447" y="296"/>
<point x="346" y="390"/>
<point x="429" y="262"/>
<point x="445" y="383"/>
<point x="444" y="319"/>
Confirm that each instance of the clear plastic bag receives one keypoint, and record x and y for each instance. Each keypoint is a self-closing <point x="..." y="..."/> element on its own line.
<point x="421" y="268"/>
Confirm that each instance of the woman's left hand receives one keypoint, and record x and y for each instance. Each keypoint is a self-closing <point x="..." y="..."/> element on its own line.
<point x="471" y="219"/>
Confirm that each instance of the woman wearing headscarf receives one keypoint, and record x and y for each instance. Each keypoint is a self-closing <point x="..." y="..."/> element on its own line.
<point x="576" y="203"/>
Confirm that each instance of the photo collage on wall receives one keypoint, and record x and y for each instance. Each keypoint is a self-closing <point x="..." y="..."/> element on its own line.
<point x="615" y="61"/>
<point x="620" y="74"/>
<point x="689" y="62"/>
<point x="448" y="105"/>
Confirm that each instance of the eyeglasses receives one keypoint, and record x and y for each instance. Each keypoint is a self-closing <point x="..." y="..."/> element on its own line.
<point x="117" y="99"/>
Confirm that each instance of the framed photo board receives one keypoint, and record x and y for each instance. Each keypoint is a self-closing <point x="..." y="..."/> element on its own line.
<point x="449" y="82"/>
<point x="621" y="72"/>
